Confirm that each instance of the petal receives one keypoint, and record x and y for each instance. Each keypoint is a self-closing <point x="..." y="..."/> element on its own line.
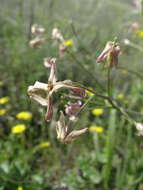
<point x="52" y="78"/>
<point x="37" y="86"/>
<point x="75" y="134"/>
<point x="39" y="99"/>
<point x="102" y="57"/>
<point x="49" y="113"/>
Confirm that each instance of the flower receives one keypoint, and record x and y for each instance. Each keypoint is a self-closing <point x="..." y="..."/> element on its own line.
<point x="19" y="128"/>
<point x="44" y="144"/>
<point x="97" y="111"/>
<point x="120" y="96"/>
<point x="24" y="115"/>
<point x="68" y="43"/>
<point x="97" y="129"/>
<point x="20" y="188"/>
<point x="1" y="83"/>
<point x="3" y="111"/>
<point x="73" y="108"/>
<point x="62" y="49"/>
<point x="35" y="28"/>
<point x="65" y="133"/>
<point x="42" y="92"/>
<point x="139" y="127"/>
<point x="36" y="42"/>
<point x="90" y="94"/>
<point x="4" y="100"/>
<point x="111" y="53"/>
<point x="56" y="35"/>
<point x="139" y="33"/>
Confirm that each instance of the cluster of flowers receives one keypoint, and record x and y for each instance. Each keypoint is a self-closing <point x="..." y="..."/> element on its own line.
<point x="43" y="92"/>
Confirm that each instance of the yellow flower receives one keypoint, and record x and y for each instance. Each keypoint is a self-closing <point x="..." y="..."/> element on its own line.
<point x="4" y="100"/>
<point x="139" y="33"/>
<point x="44" y="144"/>
<point x="20" y="188"/>
<point x="20" y="128"/>
<point x="1" y="83"/>
<point x="120" y="96"/>
<point x="90" y="94"/>
<point x="68" y="43"/>
<point x="3" y="111"/>
<point x="97" y="111"/>
<point x="24" y="115"/>
<point x="97" y="129"/>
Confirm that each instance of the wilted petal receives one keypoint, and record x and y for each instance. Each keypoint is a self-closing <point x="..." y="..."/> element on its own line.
<point x="39" y="99"/>
<point x="49" y="113"/>
<point x="35" y="43"/>
<point x="52" y="78"/>
<point x="36" y="91"/>
<point x="79" y="92"/>
<point x="73" y="108"/>
<point x="37" y="87"/>
<point x="110" y="51"/>
<point x="75" y="134"/>
<point x="62" y="49"/>
<point x="114" y="56"/>
<point x="61" y="128"/>
<point x="102" y="57"/>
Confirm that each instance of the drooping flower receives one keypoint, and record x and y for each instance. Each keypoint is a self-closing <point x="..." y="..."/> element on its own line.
<point x="65" y="133"/>
<point x="3" y="111"/>
<point x="36" y="42"/>
<point x="73" y="108"/>
<point x="97" y="111"/>
<point x="4" y="100"/>
<point x="111" y="53"/>
<point x="24" y="115"/>
<point x="19" y="128"/>
<point x="36" y="29"/>
<point x="95" y="128"/>
<point x="42" y="92"/>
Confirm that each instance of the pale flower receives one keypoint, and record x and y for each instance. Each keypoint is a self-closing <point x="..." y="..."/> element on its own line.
<point x="42" y="92"/>
<point x="139" y="127"/>
<point x="65" y="133"/>
<point x="111" y="52"/>
<point x="35" y="28"/>
<point x="56" y="35"/>
<point x="36" y="42"/>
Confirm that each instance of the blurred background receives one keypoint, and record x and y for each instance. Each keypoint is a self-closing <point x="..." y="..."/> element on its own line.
<point x="110" y="155"/>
